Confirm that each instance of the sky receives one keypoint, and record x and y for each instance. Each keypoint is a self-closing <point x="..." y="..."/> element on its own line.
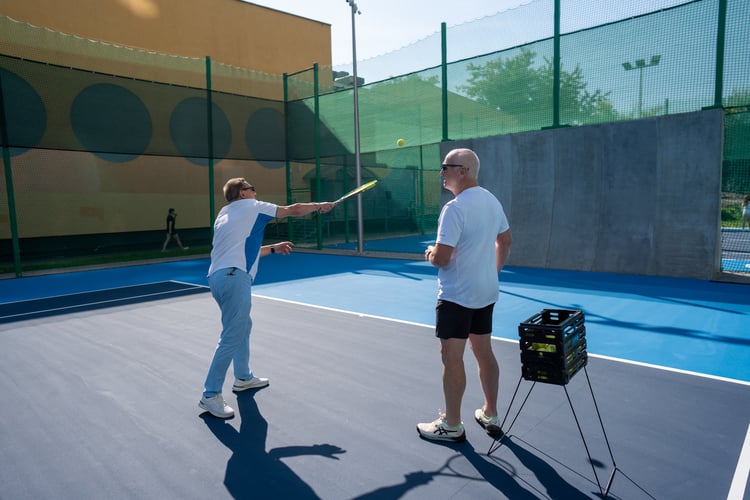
<point x="386" y="25"/>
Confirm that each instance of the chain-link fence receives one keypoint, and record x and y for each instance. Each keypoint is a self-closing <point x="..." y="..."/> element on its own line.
<point x="98" y="146"/>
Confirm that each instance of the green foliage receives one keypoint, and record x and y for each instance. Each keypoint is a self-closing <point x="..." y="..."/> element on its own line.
<point x="738" y="97"/>
<point x="731" y="214"/>
<point x="519" y="88"/>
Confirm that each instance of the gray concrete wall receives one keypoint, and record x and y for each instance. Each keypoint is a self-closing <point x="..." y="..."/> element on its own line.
<point x="634" y="197"/>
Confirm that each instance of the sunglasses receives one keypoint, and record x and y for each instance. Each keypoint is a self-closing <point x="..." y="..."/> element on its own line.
<point x="251" y="188"/>
<point x="449" y="165"/>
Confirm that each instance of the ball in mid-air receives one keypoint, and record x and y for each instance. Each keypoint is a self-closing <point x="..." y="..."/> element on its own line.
<point x="400" y="142"/>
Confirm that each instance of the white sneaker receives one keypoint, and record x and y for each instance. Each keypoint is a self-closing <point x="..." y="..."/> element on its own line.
<point x="439" y="430"/>
<point x="490" y="424"/>
<point x="253" y="383"/>
<point x="216" y="406"/>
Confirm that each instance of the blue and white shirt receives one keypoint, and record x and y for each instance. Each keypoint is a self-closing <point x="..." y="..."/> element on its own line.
<point x="238" y="235"/>
<point x="470" y="223"/>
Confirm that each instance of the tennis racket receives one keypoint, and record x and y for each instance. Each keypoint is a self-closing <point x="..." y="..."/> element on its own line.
<point x="356" y="191"/>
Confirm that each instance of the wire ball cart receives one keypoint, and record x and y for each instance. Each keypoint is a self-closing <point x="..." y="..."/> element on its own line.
<point x="553" y="350"/>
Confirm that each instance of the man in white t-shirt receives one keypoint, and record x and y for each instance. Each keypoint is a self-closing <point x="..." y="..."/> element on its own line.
<point x="237" y="247"/>
<point x="473" y="242"/>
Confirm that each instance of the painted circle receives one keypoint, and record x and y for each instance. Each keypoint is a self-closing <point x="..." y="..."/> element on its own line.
<point x="111" y="122"/>
<point x="264" y="137"/>
<point x="24" y="112"/>
<point x="188" y="127"/>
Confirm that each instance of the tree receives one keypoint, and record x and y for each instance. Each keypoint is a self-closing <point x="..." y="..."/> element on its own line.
<point x="515" y="86"/>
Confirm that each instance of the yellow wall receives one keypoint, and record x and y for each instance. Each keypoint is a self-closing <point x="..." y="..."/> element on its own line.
<point x="85" y="194"/>
<point x="230" y="31"/>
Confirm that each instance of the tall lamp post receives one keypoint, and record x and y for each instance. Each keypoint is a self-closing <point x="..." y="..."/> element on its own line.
<point x="357" y="163"/>
<point x="640" y="65"/>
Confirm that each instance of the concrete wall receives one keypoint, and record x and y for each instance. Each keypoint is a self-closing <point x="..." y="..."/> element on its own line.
<point x="634" y="197"/>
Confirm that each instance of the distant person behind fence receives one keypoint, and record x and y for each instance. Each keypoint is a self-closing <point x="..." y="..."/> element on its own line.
<point x="745" y="211"/>
<point x="172" y="231"/>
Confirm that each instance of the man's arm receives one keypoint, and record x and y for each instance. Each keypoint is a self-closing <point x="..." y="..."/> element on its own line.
<point x="439" y="254"/>
<point x="300" y="209"/>
<point x="502" y="248"/>
<point x="282" y="248"/>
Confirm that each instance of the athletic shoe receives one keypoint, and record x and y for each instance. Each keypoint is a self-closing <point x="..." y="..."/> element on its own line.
<point x="216" y="406"/>
<point x="253" y="383"/>
<point x="489" y="424"/>
<point x="439" y="430"/>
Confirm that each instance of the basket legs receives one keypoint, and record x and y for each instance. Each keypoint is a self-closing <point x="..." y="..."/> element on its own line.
<point x="498" y="441"/>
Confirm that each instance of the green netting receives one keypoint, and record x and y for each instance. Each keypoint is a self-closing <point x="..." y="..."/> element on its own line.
<point x="736" y="168"/>
<point x="129" y="132"/>
<point x="53" y="107"/>
<point x="406" y="199"/>
<point x="670" y="56"/>
<point x="512" y="88"/>
<point x="735" y="190"/>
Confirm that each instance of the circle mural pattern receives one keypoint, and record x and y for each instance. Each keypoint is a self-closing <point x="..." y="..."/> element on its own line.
<point x="24" y="112"/>
<point x="188" y="127"/>
<point x="264" y="137"/>
<point x="111" y="122"/>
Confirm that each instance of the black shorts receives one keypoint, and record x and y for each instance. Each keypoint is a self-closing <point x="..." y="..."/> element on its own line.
<point x="453" y="321"/>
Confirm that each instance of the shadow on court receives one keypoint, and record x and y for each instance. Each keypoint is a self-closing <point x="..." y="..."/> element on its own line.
<point x="115" y="390"/>
<point x="338" y="420"/>
<point x="470" y="465"/>
<point x="253" y="472"/>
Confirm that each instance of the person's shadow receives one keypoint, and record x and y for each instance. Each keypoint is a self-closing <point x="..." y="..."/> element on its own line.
<point x="497" y="473"/>
<point x="253" y="472"/>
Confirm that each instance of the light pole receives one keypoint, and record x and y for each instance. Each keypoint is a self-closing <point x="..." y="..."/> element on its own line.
<point x="357" y="163"/>
<point x="640" y="65"/>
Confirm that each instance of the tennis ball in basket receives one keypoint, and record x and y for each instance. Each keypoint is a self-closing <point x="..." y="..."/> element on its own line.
<point x="400" y="142"/>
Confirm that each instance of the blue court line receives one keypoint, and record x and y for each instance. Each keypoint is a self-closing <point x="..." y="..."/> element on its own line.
<point x="684" y="324"/>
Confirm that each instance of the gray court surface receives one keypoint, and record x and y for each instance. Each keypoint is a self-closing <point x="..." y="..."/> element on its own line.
<point x="102" y="403"/>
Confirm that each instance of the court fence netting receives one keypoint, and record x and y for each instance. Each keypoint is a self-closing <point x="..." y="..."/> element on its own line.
<point x="99" y="141"/>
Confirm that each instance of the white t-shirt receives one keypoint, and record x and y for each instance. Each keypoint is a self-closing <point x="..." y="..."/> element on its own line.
<point x="238" y="235"/>
<point x="470" y="224"/>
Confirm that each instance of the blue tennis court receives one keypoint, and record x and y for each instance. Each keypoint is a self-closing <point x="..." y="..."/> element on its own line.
<point x="683" y="324"/>
<point x="110" y="364"/>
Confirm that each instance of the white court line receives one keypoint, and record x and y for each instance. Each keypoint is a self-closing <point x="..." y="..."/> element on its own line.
<point x="609" y="358"/>
<point x="674" y="370"/>
<point x="343" y="311"/>
<point x="739" y="482"/>
<point x="191" y="285"/>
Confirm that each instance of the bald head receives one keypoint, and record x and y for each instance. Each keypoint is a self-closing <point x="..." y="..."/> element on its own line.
<point x="465" y="157"/>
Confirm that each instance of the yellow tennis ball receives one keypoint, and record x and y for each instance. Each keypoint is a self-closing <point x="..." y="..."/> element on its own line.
<point x="400" y="142"/>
